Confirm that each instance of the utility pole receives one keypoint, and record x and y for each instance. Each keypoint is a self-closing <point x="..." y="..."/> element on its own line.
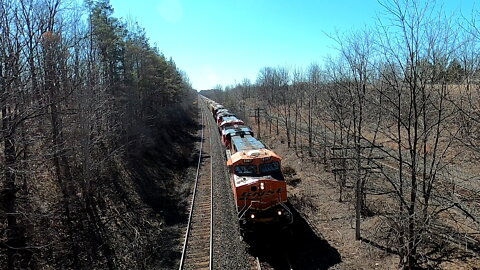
<point x="257" y="121"/>
<point x="342" y="167"/>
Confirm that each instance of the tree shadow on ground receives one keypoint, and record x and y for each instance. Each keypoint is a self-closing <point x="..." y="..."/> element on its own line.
<point x="437" y="253"/>
<point x="159" y="168"/>
<point x="298" y="247"/>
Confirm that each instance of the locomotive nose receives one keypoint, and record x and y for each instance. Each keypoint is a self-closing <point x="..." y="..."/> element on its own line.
<point x="264" y="194"/>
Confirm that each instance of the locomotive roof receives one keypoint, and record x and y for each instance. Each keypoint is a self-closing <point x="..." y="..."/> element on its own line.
<point x="258" y="154"/>
<point x="224" y="113"/>
<point x="220" y="111"/>
<point x="216" y="106"/>
<point x="247" y="143"/>
<point x="239" y="133"/>
<point x="236" y="128"/>
<point x="230" y="119"/>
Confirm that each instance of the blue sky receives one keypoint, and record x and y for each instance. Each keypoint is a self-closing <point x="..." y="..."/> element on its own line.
<point x="225" y="41"/>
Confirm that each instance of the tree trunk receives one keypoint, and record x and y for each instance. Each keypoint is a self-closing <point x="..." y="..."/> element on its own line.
<point x="287" y="124"/>
<point x="310" y="135"/>
<point x="14" y="237"/>
<point x="60" y="162"/>
<point x="295" y="126"/>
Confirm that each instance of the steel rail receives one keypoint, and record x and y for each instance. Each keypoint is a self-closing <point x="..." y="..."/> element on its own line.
<point x="182" y="259"/>
<point x="211" y="199"/>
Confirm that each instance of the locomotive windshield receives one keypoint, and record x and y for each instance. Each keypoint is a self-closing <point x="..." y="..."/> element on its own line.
<point x="269" y="168"/>
<point x="245" y="170"/>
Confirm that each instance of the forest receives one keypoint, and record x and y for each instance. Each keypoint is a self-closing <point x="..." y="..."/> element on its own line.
<point x="98" y="127"/>
<point x="395" y="118"/>
<point x="94" y="122"/>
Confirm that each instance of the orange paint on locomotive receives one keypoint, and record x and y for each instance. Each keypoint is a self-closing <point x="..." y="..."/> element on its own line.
<point x="256" y="191"/>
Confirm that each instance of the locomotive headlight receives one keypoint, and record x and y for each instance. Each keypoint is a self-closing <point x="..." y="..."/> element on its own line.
<point x="252" y="216"/>
<point x="279" y="212"/>
<point x="262" y="186"/>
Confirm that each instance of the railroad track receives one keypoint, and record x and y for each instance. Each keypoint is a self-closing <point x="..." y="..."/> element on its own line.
<point x="198" y="242"/>
<point x="194" y="255"/>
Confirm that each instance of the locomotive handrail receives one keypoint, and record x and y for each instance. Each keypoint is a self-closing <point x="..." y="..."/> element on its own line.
<point x="240" y="217"/>
<point x="241" y="210"/>
<point x="288" y="210"/>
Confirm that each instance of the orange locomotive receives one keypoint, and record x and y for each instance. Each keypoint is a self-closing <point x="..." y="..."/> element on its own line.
<point x="259" y="188"/>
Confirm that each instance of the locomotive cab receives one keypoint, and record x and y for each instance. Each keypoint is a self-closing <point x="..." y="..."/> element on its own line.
<point x="259" y="189"/>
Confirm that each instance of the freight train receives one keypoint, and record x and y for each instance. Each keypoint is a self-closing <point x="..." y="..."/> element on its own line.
<point x="257" y="181"/>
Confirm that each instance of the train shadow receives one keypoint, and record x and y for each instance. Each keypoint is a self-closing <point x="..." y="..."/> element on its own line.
<point x="298" y="247"/>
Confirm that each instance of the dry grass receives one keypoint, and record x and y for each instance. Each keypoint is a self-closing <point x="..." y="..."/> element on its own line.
<point x="316" y="197"/>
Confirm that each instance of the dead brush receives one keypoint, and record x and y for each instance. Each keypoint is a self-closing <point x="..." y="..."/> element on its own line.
<point x="290" y="174"/>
